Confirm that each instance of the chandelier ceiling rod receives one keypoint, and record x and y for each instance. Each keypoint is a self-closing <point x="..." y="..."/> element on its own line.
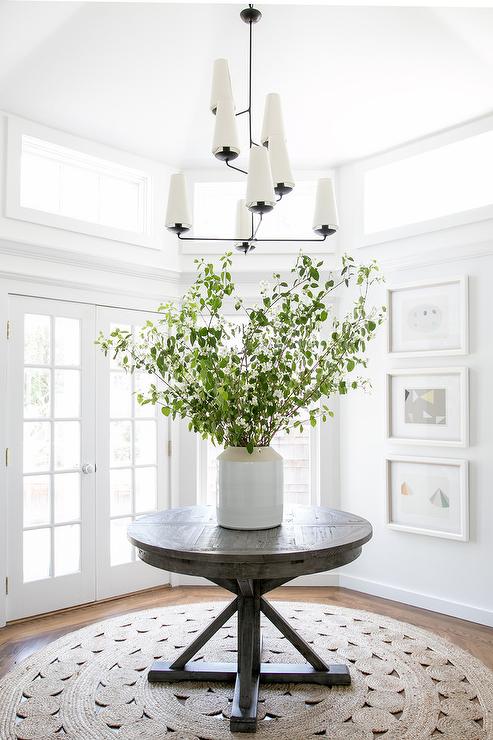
<point x="178" y="218"/>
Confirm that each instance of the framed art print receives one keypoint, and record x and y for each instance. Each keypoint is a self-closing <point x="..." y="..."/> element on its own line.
<point x="428" y="318"/>
<point x="428" y="496"/>
<point x="428" y="406"/>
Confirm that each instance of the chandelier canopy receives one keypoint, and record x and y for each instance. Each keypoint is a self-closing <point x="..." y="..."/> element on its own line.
<point x="269" y="175"/>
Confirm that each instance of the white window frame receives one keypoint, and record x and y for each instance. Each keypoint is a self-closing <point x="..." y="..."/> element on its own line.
<point x="314" y="443"/>
<point x="422" y="146"/>
<point x="17" y="128"/>
<point x="329" y="246"/>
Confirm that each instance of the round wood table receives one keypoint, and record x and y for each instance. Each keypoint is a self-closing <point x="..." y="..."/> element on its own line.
<point x="250" y="563"/>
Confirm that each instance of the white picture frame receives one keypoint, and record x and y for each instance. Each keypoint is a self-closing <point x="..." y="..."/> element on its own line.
<point x="441" y="488"/>
<point x="439" y="401"/>
<point x="428" y="318"/>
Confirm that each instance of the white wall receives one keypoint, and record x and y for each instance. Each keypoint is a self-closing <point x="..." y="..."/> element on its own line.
<point x="439" y="574"/>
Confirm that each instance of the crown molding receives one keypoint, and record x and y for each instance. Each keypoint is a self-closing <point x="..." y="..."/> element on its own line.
<point x="428" y="258"/>
<point x="88" y="262"/>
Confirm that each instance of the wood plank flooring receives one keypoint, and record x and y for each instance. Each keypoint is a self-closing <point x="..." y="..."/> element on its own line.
<point x="19" y="640"/>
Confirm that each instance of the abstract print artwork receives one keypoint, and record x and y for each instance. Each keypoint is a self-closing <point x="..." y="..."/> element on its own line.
<point x="427" y="496"/>
<point x="425" y="405"/>
<point x="428" y="405"/>
<point x="428" y="318"/>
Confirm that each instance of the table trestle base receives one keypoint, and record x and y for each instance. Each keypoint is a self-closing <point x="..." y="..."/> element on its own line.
<point x="248" y="672"/>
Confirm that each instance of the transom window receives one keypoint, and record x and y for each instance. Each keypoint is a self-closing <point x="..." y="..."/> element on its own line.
<point x="57" y="180"/>
<point x="214" y="210"/>
<point x="450" y="179"/>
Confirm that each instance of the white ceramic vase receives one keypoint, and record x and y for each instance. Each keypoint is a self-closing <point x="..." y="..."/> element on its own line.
<point x="250" y="488"/>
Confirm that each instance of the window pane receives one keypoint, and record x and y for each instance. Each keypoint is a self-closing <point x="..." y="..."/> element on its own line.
<point x="74" y="184"/>
<point x="67" y="496"/>
<point x="37" y="442"/>
<point x="37" y="554"/>
<point x="295" y="450"/>
<point x="445" y="180"/>
<point x="67" y="549"/>
<point x="67" y="393"/>
<point x="120" y="204"/>
<point x="40" y="183"/>
<point x="142" y="383"/>
<point x="120" y="395"/>
<point x="214" y="208"/>
<point x="67" y="341"/>
<point x="120" y="443"/>
<point x="67" y="445"/>
<point x="121" y="549"/>
<point x="36" y="500"/>
<point x="79" y="193"/>
<point x="145" y="489"/>
<point x="36" y="339"/>
<point x="36" y="392"/>
<point x="120" y="492"/>
<point x="145" y="442"/>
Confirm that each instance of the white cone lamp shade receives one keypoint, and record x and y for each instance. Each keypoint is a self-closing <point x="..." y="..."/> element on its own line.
<point x="282" y="175"/>
<point x="260" y="196"/>
<point x="225" y="144"/>
<point x="243" y="230"/>
<point x="221" y="83"/>
<point x="178" y="212"/>
<point x="325" y="219"/>
<point x="273" y="123"/>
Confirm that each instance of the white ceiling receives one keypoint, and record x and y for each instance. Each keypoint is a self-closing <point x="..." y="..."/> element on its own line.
<point x="354" y="80"/>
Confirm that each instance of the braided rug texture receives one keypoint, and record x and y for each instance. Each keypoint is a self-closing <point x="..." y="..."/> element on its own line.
<point x="407" y="684"/>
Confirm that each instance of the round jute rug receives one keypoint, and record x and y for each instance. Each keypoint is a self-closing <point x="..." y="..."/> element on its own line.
<point x="407" y="684"/>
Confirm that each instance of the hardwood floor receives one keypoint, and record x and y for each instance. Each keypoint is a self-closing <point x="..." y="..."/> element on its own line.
<point x="19" y="640"/>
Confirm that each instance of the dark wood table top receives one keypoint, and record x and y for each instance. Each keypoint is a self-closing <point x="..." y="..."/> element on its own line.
<point x="311" y="539"/>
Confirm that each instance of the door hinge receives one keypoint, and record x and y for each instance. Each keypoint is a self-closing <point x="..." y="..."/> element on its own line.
<point x="9" y="329"/>
<point x="7" y="585"/>
<point x="170" y="448"/>
<point x="7" y="456"/>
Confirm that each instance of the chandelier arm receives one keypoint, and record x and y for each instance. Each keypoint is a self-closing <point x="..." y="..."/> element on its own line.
<point x="251" y="239"/>
<point x="232" y="167"/>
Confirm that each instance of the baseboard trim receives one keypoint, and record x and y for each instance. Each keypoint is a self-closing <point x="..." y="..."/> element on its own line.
<point x="374" y="588"/>
<point x="415" y="598"/>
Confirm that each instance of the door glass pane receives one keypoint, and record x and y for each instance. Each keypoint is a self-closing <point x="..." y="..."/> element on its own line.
<point x="37" y="554"/>
<point x="67" y="393"/>
<point x="120" y="443"/>
<point x="142" y="383"/>
<point x="37" y="443"/>
<point x="145" y="489"/>
<point x="121" y="549"/>
<point x="67" y="445"/>
<point x="36" y="339"/>
<point x="67" y="549"/>
<point x="66" y="489"/>
<point x="120" y="492"/>
<point x="120" y="395"/>
<point x="67" y="341"/>
<point x="36" y="392"/>
<point x="145" y="442"/>
<point x="36" y="500"/>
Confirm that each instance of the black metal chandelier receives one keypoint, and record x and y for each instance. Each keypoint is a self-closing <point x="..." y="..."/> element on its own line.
<point x="269" y="176"/>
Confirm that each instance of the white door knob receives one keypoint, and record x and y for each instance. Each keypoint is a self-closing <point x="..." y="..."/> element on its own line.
<point x="88" y="468"/>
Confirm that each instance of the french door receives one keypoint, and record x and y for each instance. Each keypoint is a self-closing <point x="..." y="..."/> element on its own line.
<point x="84" y="460"/>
